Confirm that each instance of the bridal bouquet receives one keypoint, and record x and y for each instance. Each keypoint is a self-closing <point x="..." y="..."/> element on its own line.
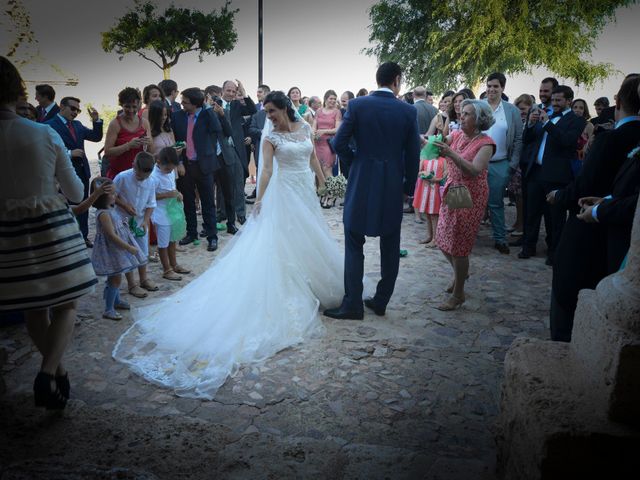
<point x="336" y="186"/>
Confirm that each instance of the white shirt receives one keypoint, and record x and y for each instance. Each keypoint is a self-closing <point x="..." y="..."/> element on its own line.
<point x="140" y="194"/>
<point x="543" y="143"/>
<point x="164" y="182"/>
<point x="498" y="133"/>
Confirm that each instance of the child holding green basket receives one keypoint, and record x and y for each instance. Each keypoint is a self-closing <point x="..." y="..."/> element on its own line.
<point x="427" y="197"/>
<point x="168" y="216"/>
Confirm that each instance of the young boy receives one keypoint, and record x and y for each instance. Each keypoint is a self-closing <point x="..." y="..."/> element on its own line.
<point x="165" y="187"/>
<point x="136" y="200"/>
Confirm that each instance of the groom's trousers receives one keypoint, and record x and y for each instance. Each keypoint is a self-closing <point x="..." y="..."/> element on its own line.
<point x="354" y="269"/>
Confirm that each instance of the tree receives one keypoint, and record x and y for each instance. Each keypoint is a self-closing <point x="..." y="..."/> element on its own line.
<point x="176" y="31"/>
<point x="19" y="43"/>
<point x="445" y="43"/>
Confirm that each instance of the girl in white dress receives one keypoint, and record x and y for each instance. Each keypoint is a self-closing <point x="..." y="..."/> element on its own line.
<point x="193" y="340"/>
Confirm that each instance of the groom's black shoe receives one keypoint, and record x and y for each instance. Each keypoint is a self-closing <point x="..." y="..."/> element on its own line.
<point x="342" y="313"/>
<point x="212" y="245"/>
<point x="369" y="302"/>
<point x="232" y="229"/>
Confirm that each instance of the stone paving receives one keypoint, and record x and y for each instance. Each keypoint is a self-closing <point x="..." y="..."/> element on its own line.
<point x="413" y="394"/>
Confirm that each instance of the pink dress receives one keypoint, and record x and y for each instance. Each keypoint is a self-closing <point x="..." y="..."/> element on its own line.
<point x="457" y="229"/>
<point x="326" y="121"/>
<point x="426" y="197"/>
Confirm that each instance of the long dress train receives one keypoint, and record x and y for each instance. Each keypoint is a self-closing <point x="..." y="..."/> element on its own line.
<point x="261" y="294"/>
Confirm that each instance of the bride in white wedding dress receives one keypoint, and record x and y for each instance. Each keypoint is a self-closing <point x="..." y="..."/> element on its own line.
<point x="263" y="291"/>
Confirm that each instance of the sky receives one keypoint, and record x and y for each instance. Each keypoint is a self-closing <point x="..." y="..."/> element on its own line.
<point x="315" y="45"/>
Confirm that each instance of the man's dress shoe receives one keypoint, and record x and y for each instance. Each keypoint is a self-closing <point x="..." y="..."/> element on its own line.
<point x="370" y="303"/>
<point x="186" y="240"/>
<point x="212" y="245"/>
<point x="341" y="313"/>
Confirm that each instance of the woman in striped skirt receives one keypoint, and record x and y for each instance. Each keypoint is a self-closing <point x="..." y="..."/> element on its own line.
<point x="44" y="266"/>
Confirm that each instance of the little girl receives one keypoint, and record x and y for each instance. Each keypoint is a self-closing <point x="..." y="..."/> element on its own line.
<point x="115" y="250"/>
<point x="427" y="197"/>
<point x="165" y="184"/>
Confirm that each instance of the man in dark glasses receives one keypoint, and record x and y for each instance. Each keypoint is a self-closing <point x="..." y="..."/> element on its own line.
<point x="73" y="134"/>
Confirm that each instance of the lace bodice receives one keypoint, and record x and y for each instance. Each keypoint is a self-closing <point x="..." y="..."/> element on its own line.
<point x="292" y="149"/>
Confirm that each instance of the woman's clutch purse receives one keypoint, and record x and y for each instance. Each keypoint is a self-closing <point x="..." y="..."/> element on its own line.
<point x="458" y="196"/>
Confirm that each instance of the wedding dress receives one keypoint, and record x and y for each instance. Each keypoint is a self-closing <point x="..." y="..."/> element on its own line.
<point x="261" y="294"/>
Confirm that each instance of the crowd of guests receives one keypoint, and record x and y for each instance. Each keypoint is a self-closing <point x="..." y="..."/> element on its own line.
<point x="164" y="161"/>
<point x="580" y="174"/>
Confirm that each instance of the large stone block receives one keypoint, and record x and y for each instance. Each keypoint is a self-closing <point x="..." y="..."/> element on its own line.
<point x="549" y="427"/>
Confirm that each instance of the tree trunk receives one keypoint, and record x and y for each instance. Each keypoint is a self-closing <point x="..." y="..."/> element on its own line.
<point x="166" y="69"/>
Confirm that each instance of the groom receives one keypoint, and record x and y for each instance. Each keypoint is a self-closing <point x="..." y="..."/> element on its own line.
<point x="387" y="156"/>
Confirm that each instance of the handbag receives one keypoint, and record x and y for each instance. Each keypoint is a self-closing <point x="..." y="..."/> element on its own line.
<point x="458" y="196"/>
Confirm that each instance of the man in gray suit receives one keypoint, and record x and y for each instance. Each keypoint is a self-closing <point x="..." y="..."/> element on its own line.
<point x="426" y="111"/>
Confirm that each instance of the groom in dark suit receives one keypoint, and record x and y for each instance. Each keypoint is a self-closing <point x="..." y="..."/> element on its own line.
<point x="386" y="158"/>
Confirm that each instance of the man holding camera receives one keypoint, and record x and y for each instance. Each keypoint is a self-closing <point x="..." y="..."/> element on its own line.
<point x="552" y="140"/>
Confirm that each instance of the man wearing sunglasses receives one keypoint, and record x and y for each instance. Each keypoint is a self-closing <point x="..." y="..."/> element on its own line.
<point x="73" y="134"/>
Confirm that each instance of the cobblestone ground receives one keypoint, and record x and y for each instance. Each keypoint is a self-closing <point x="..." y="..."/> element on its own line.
<point x="413" y="394"/>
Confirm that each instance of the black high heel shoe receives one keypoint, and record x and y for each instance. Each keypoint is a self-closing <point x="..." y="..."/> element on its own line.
<point x="63" y="385"/>
<point x="44" y="396"/>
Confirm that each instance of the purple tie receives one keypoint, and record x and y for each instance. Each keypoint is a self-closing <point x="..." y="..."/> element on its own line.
<point x="191" y="149"/>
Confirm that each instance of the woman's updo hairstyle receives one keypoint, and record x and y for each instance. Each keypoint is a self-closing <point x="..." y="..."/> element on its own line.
<point x="281" y="102"/>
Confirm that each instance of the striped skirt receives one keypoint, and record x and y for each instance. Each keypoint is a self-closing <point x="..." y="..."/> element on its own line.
<point x="43" y="256"/>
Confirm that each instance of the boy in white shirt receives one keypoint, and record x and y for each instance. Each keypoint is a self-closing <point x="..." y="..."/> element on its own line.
<point x="136" y="201"/>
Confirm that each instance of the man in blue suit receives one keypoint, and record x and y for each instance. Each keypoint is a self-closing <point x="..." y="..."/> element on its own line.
<point x="201" y="131"/>
<point x="386" y="158"/>
<point x="73" y="134"/>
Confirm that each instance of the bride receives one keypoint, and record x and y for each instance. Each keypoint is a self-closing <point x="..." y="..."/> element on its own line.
<point x="263" y="291"/>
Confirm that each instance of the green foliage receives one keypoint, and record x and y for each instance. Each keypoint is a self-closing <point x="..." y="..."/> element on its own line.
<point x="107" y="112"/>
<point x="446" y="43"/>
<point x="172" y="33"/>
<point x="18" y="40"/>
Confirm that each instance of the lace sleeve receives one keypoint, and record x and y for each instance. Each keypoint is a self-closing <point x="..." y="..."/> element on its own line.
<point x="273" y="139"/>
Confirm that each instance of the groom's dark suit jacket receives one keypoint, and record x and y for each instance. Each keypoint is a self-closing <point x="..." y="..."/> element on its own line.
<point x="386" y="156"/>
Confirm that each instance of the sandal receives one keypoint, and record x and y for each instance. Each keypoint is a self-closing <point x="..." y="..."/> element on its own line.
<point x="149" y="285"/>
<point x="171" y="275"/>
<point x="181" y="270"/>
<point x="137" y="292"/>
<point x="112" y="315"/>
<point x="452" y="304"/>
<point x="154" y="258"/>
<point x="426" y="241"/>
<point x="44" y="396"/>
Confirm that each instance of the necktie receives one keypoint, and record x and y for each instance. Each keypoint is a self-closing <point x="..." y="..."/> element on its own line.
<point x="72" y="131"/>
<point x="41" y="114"/>
<point x="191" y="148"/>
<point x="227" y="109"/>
